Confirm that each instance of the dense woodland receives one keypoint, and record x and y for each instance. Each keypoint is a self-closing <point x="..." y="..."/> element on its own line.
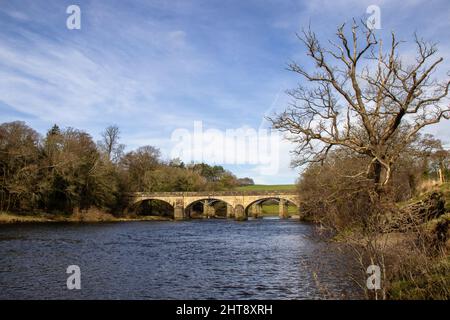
<point x="65" y="170"/>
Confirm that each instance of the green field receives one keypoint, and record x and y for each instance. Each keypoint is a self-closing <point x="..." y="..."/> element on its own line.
<point x="267" y="187"/>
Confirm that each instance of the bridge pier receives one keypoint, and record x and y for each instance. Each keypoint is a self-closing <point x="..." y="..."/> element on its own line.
<point x="283" y="209"/>
<point x="208" y="210"/>
<point x="188" y="212"/>
<point x="300" y="213"/>
<point x="178" y="213"/>
<point x="239" y="213"/>
<point x="256" y="210"/>
<point x="230" y="211"/>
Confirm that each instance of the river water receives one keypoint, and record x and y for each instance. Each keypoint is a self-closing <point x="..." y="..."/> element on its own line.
<point x="201" y="259"/>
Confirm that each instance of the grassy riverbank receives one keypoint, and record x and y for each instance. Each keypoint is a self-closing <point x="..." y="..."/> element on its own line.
<point x="426" y="270"/>
<point x="416" y="259"/>
<point x="7" y="218"/>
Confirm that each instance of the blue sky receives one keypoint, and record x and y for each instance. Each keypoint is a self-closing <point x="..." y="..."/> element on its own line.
<point x="155" y="66"/>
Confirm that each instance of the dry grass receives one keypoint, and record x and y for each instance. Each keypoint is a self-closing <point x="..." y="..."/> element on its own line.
<point x="426" y="186"/>
<point x="89" y="216"/>
<point x="419" y="268"/>
<point x="414" y="259"/>
<point x="12" y="218"/>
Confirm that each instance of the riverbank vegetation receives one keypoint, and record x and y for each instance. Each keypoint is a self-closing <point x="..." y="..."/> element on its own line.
<point x="65" y="175"/>
<point x="90" y="216"/>
<point x="372" y="179"/>
<point x="405" y="232"/>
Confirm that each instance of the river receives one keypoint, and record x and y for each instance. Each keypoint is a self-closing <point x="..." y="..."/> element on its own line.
<point x="201" y="259"/>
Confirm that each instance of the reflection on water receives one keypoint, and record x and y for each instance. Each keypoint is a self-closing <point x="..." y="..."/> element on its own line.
<point x="208" y="259"/>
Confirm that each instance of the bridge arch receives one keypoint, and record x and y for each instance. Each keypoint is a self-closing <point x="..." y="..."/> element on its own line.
<point x="160" y="198"/>
<point x="276" y="198"/>
<point x="209" y="207"/>
<point x="281" y="201"/>
<point x="153" y="206"/>
<point x="212" y="198"/>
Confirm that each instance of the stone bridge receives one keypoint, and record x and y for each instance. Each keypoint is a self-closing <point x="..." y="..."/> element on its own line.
<point x="238" y="203"/>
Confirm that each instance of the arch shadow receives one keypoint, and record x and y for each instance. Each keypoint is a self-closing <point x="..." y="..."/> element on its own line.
<point x="217" y="208"/>
<point x="153" y="207"/>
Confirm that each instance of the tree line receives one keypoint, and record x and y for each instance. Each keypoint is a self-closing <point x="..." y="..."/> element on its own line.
<point x="65" y="170"/>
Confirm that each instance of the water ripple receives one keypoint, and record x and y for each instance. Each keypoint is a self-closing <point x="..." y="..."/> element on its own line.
<point x="216" y="259"/>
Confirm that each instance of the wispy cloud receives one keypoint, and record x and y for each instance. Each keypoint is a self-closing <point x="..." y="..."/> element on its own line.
<point x="154" y="66"/>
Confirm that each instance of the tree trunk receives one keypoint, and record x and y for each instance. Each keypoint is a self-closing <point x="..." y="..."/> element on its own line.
<point x="375" y="174"/>
<point x="441" y="172"/>
<point x="441" y="175"/>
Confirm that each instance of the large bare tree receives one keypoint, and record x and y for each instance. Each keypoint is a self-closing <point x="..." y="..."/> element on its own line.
<point x="110" y="143"/>
<point x="363" y="97"/>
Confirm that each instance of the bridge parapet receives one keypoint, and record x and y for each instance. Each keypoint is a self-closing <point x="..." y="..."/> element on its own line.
<point x="213" y="193"/>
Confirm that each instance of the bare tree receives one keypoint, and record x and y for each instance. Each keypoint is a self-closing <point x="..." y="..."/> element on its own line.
<point x="110" y="143"/>
<point x="363" y="98"/>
